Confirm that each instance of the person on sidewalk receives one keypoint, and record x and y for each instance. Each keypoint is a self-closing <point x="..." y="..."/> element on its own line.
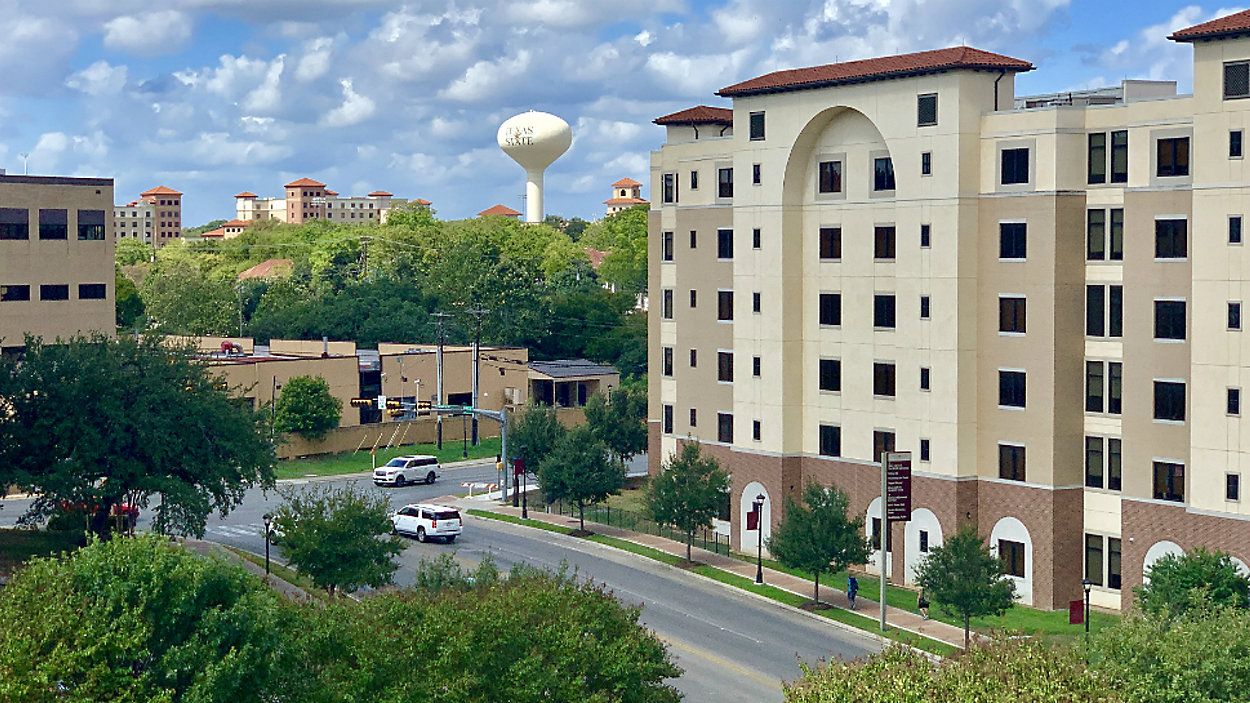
<point x="922" y="604"/>
<point x="852" y="589"/>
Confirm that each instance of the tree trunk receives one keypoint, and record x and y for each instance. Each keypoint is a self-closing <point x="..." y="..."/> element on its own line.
<point x="966" y="628"/>
<point x="100" y="520"/>
<point x="581" y="516"/>
<point x="817" y="593"/>
<point x="689" y="540"/>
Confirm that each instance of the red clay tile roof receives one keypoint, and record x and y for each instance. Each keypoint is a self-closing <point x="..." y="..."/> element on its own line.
<point x="423" y="202"/>
<point x="936" y="61"/>
<point x="595" y="256"/>
<point x="266" y="268"/>
<point x="237" y="223"/>
<point x="503" y="210"/>
<point x="159" y="190"/>
<point x="305" y="183"/>
<point x="625" y="201"/>
<point x="626" y="183"/>
<point x="214" y="233"/>
<point x="381" y="194"/>
<point x="699" y="114"/>
<point x="331" y="192"/>
<point x="1227" y="26"/>
<point x="246" y="194"/>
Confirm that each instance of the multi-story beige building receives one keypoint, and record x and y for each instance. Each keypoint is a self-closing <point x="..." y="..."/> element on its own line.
<point x="155" y="218"/>
<point x="626" y="193"/>
<point x="56" y="258"/>
<point x="1028" y="294"/>
<point x="307" y="200"/>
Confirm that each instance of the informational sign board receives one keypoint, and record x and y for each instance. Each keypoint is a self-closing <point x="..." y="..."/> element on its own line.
<point x="898" y="486"/>
<point x="753" y="519"/>
<point x="1076" y="612"/>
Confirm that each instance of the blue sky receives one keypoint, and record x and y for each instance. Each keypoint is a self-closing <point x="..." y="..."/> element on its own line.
<point x="217" y="96"/>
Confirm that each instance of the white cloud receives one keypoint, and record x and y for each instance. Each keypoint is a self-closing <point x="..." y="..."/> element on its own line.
<point x="1150" y="54"/>
<point x="644" y="38"/>
<point x="100" y="78"/>
<point x="219" y="149"/>
<point x="356" y="108"/>
<point x="485" y="79"/>
<point x="267" y="97"/>
<point x="162" y="31"/>
<point x="315" y="62"/>
<point x="58" y="152"/>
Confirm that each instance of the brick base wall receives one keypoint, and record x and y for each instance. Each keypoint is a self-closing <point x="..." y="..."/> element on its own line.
<point x="1144" y="524"/>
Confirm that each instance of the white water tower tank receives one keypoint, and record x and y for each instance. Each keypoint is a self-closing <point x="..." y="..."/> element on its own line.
<point x="534" y="140"/>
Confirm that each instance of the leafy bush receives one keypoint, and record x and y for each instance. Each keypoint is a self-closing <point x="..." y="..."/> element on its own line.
<point x="1199" y="578"/>
<point x="307" y="408"/>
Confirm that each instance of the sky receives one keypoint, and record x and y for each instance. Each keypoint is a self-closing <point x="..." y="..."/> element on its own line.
<point x="213" y="97"/>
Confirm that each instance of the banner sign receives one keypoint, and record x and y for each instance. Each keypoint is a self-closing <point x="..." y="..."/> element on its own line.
<point x="898" y="486"/>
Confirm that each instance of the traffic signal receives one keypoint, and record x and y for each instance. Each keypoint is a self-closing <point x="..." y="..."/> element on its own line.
<point x="394" y="404"/>
<point x="395" y="412"/>
<point x="425" y="404"/>
<point x="362" y="402"/>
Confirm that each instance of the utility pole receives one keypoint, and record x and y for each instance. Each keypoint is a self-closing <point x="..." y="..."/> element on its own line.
<point x="439" y="316"/>
<point x="477" y="313"/>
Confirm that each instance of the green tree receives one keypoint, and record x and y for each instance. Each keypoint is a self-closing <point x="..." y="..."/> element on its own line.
<point x="818" y="536"/>
<point x="307" y="408"/>
<point x="142" y="620"/>
<point x="688" y="493"/>
<point x="624" y="236"/>
<point x="130" y="251"/>
<point x="129" y="304"/>
<point x="97" y="422"/>
<point x="533" y="434"/>
<point x="965" y="579"/>
<point x="1196" y="579"/>
<point x="578" y="470"/>
<point x="182" y="300"/>
<point x="339" y="537"/>
<point x="619" y="420"/>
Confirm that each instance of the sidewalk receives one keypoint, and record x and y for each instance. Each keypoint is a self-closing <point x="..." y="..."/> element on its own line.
<point x="900" y="619"/>
<point x="213" y="549"/>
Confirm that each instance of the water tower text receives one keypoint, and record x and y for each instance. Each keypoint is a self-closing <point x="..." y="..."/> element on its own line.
<point x="519" y="136"/>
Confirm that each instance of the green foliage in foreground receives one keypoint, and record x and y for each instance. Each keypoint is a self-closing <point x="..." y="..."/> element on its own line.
<point x="1196" y="579"/>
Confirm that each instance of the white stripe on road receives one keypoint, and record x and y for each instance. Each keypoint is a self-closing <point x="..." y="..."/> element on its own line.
<point x="237" y="530"/>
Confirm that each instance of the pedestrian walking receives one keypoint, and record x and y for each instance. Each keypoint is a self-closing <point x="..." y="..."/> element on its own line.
<point x="922" y="604"/>
<point x="852" y="589"/>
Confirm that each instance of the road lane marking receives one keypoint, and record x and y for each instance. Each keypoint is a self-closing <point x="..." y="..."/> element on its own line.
<point x="719" y="661"/>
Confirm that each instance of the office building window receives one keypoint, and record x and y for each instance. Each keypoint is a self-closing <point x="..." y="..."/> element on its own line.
<point x="1236" y="79"/>
<point x="883" y="379"/>
<point x="91" y="225"/>
<point x="14" y="293"/>
<point x="924" y="236"/>
<point x="924" y="378"/>
<point x="882" y="174"/>
<point x="1011" y="387"/>
<point x="1113" y="463"/>
<point x="755" y="174"/>
<point x="924" y="307"/>
<point x="883" y="311"/>
<point x="831" y="309"/>
<point x="54" y="291"/>
<point x="1097" y="158"/>
<point x="926" y="163"/>
<point x="1011" y="462"/>
<point x="924" y="450"/>
<point x="724" y="305"/>
<point x="1094" y="462"/>
<point x="14" y="223"/>
<point x="669" y="181"/>
<point x="1096" y="235"/>
<point x="883" y="247"/>
<point x="666" y="304"/>
<point x="91" y="291"/>
<point x="829" y="177"/>
<point x="757" y="238"/>
<point x="1095" y="390"/>
<point x="1119" y="156"/>
<point x="830" y="243"/>
<point x="924" y="541"/>
<point x="694" y="417"/>
<point x="1173" y="157"/>
<point x="725" y="367"/>
<point x="1097" y="152"/>
<point x="1013" y="240"/>
<point x="725" y="182"/>
<point x="1093" y="559"/>
<point x="926" y="110"/>
<point x="668" y="361"/>
<point x="1015" y="166"/>
<point x="53" y="224"/>
<point x="694" y="358"/>
<point x="666" y="246"/>
<point x="1234" y="229"/>
<point x="668" y="419"/>
<point x="882" y="443"/>
<point x="724" y="427"/>
<point x="756" y="304"/>
<point x="757" y="430"/>
<point x="1011" y="315"/>
<point x="830" y="375"/>
<point x="1169" y="401"/>
<point x="694" y="239"/>
<point x="1113" y="563"/>
<point x="1115" y="379"/>
<point x="694" y="298"/>
<point x="1169" y="481"/>
<point x="724" y="244"/>
<point x="1012" y="556"/>
<point x="1235" y="143"/>
<point x="1170" y="319"/>
<point x="1232" y="487"/>
<point x="694" y="180"/>
<point x="830" y="440"/>
<point x="1233" y="401"/>
<point x="1171" y="239"/>
<point x="756" y="366"/>
<point x="757" y="126"/>
<point x="1234" y="316"/>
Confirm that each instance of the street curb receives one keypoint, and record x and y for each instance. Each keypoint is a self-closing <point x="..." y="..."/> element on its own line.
<point x="881" y="639"/>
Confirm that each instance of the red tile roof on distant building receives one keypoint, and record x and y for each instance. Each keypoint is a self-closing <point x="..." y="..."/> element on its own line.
<point x="626" y="183"/>
<point x="246" y="194"/>
<point x="595" y="256"/>
<point x="381" y="194"/>
<point x="237" y="223"/>
<point x="331" y="192"/>
<point x="159" y="190"/>
<point x="699" y="114"/>
<point x="885" y="67"/>
<point x="501" y="210"/>
<point x="625" y="201"/>
<point x="423" y="202"/>
<point x="305" y="183"/>
<point x="266" y="268"/>
<point x="1218" y="28"/>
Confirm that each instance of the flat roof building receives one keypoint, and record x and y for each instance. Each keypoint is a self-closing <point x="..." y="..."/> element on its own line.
<point x="306" y="200"/>
<point x="155" y="218"/>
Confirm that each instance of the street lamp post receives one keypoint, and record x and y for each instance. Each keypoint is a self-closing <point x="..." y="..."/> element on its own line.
<point x="268" y="523"/>
<point x="1087" y="584"/>
<point x="759" y="533"/>
<point x="525" y="485"/>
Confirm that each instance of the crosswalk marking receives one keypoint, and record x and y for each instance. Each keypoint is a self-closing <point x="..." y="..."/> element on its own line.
<point x="251" y="530"/>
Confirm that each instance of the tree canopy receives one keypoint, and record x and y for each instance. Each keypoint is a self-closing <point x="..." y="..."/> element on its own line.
<point x="533" y="433"/>
<point x="1195" y="579"/>
<point x="619" y="420"/>
<point x="578" y="470"/>
<point x="307" y="408"/>
<point x="688" y="493"/>
<point x="818" y="536"/>
<point x="965" y="579"/>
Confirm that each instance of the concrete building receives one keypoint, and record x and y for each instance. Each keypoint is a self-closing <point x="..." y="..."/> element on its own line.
<point x="306" y="200"/>
<point x="569" y="383"/>
<point x="229" y="230"/>
<point x="155" y="218"/>
<point x="626" y="193"/>
<point x="901" y="254"/>
<point x="56" y="258"/>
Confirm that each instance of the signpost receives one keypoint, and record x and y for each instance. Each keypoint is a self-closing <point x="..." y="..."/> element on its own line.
<point x="895" y="507"/>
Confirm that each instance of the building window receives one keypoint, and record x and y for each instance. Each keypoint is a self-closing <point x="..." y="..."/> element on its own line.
<point x="829" y="177"/>
<point x="694" y="180"/>
<point x="1234" y="229"/>
<point x="924" y="450"/>
<point x="1169" y="401"/>
<point x="668" y="419"/>
<point x="1011" y="315"/>
<point x="694" y="239"/>
<point x="694" y="298"/>
<point x="694" y="417"/>
<point x="926" y="163"/>
<point x="1097" y="158"/>
<point x="756" y="305"/>
<point x="668" y="361"/>
<point x="1093" y="559"/>
<point x="724" y="244"/>
<point x="1012" y="240"/>
<point x="1234" y="316"/>
<point x="883" y="380"/>
<point x="926" y="110"/>
<point x="830" y="440"/>
<point x="924" y="541"/>
<point x="1170" y="239"/>
<point x="1015" y="166"/>
<point x="757" y="238"/>
<point x="14" y="223"/>
<point x="14" y="293"/>
<point x="1170" y="319"/>
<point x="1096" y="237"/>
<point x="924" y="378"/>
<point x="1095" y="391"/>
<point x="1232" y="487"/>
<point x="755" y="174"/>
<point x="1119" y="156"/>
<point x="1012" y="556"/>
<point x="830" y="375"/>
<point x="1011" y="387"/>
<point x="756" y="366"/>
<point x="1235" y="143"/>
<point x="666" y="246"/>
<point x="694" y="358"/>
<point x="830" y="243"/>
<point x="725" y="367"/>
<point x="882" y="443"/>
<point x="91" y="225"/>
<point x="830" y="309"/>
<point x="883" y="248"/>
<point x="882" y="174"/>
<point x="757" y="430"/>
<point x="1113" y="463"/>
<point x="1233" y="401"/>
<point x="883" y="311"/>
<point x="876" y="536"/>
<point x="92" y="291"/>
<point x="725" y="427"/>
<point x="669" y="181"/>
<point x="56" y="291"/>
<point x="924" y="307"/>
<point x="924" y="236"/>
<point x="666" y="304"/>
<point x="53" y="224"/>
<point x="1169" y="481"/>
<point x="1094" y="459"/>
<point x="1104" y="311"/>
<point x="1173" y="157"/>
<point x="757" y="126"/>
<point x="724" y="305"/>
<point x="1113" y="563"/>
<point x="1236" y="79"/>
<point x="725" y="182"/>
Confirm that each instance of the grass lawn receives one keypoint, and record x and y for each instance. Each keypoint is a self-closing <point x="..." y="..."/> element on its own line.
<point x="282" y="571"/>
<point x="630" y="499"/>
<point x="19" y="546"/>
<point x="357" y="462"/>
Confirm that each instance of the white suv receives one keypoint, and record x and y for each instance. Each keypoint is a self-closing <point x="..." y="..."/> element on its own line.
<point x="402" y="470"/>
<point x="427" y="521"/>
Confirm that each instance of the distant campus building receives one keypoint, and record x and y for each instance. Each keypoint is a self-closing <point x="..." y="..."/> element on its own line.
<point x="307" y="200"/>
<point x="155" y="218"/>
<point x="1039" y="297"/>
<point x="626" y="193"/>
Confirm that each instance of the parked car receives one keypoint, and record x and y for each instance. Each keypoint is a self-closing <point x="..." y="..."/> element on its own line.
<point x="403" y="470"/>
<point x="425" y="521"/>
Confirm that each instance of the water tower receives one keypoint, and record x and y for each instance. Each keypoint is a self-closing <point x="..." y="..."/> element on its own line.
<point x="534" y="140"/>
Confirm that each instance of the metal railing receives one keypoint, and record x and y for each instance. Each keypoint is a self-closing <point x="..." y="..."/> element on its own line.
<point x="637" y="521"/>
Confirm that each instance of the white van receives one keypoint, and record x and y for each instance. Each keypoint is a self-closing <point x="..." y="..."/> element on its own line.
<point x="403" y="470"/>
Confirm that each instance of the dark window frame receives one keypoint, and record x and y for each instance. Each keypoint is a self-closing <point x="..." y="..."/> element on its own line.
<point x="884" y="379"/>
<point x="1013" y="241"/>
<point x="1172" y="157"/>
<point x="829" y="176"/>
<point x="1168" y="481"/>
<point x="1012" y="314"/>
<point x="1012" y="462"/>
<point x="1013" y="557"/>
<point x="1166" y="325"/>
<point x="1012" y="389"/>
<point x="884" y="311"/>
<point x="756" y="127"/>
<point x="830" y="440"/>
<point x="830" y="243"/>
<point x="883" y="180"/>
<point x="1171" y="237"/>
<point x="725" y="182"/>
<point x="830" y="309"/>
<point x="1014" y="166"/>
<point x="829" y="377"/>
<point x="927" y="110"/>
<point x="1169" y="401"/>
